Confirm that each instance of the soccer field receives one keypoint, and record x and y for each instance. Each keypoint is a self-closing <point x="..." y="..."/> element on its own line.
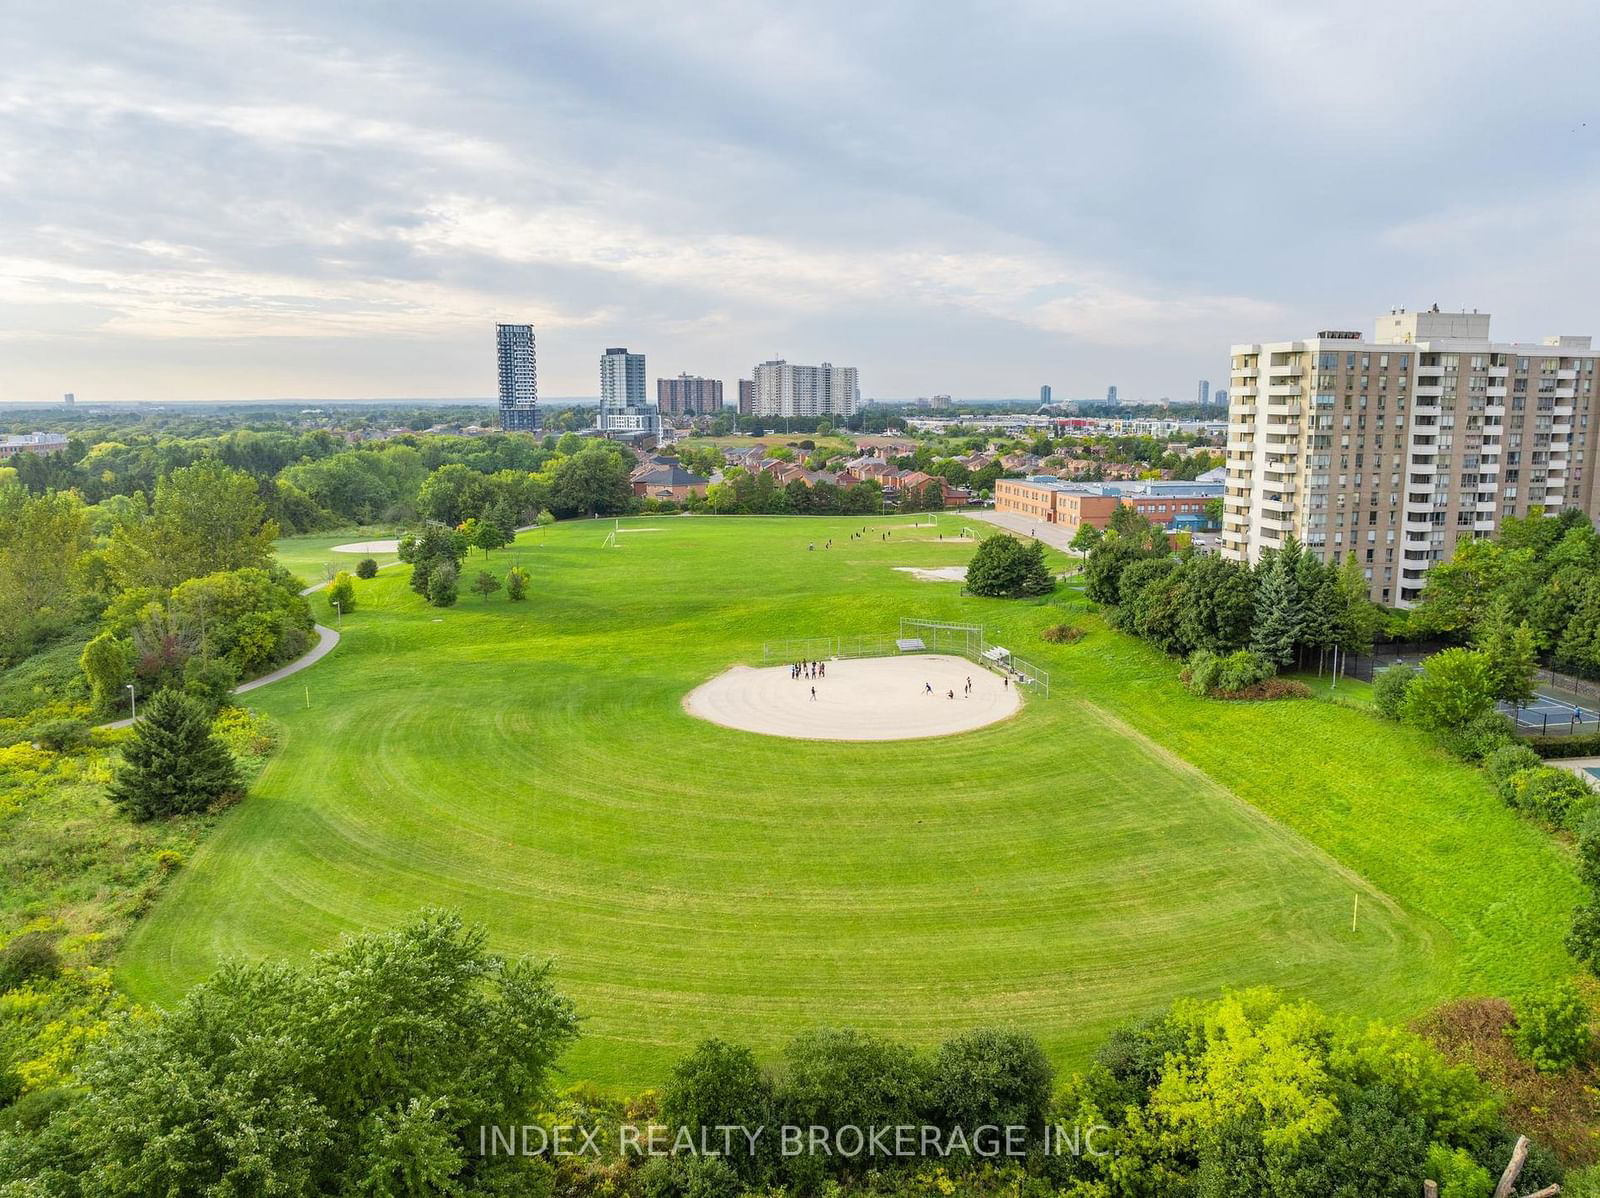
<point x="1066" y="869"/>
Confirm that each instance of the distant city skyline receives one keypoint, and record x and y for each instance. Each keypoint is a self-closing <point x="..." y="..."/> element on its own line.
<point x="232" y="202"/>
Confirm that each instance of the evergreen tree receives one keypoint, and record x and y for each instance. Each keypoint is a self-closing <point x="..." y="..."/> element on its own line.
<point x="173" y="765"/>
<point x="1280" y="615"/>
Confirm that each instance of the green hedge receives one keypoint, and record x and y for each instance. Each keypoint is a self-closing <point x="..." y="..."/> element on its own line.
<point x="1566" y="746"/>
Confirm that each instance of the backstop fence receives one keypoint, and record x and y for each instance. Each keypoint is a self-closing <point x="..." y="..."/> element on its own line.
<point x="915" y="636"/>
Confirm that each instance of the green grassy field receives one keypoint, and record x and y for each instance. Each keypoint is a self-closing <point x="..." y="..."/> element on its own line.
<point x="310" y="557"/>
<point x="1112" y="847"/>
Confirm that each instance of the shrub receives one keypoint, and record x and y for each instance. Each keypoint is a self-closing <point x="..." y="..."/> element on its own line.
<point x="1583" y="938"/>
<point x="1203" y="671"/>
<point x="1272" y="688"/>
<point x="211" y="682"/>
<point x="1454" y="688"/>
<point x="1548" y="793"/>
<point x="1243" y="668"/>
<point x="1505" y="763"/>
<point x="62" y="736"/>
<point x="1480" y="736"/>
<point x="442" y="585"/>
<point x="366" y="568"/>
<point x="31" y="955"/>
<point x="168" y="860"/>
<point x="1063" y="634"/>
<point x="516" y="584"/>
<point x="1389" y="689"/>
<point x="342" y="592"/>
<point x="1552" y="1029"/>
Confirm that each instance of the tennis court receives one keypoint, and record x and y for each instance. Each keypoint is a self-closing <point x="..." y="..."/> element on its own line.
<point x="1555" y="712"/>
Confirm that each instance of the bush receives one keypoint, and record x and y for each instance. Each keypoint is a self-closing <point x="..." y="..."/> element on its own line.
<point x="1583" y="938"/>
<point x="1548" y="793"/>
<point x="366" y="568"/>
<point x="1552" y="1029"/>
<point x="168" y="860"/>
<point x="1505" y="763"/>
<point x="1062" y="634"/>
<point x="516" y="584"/>
<point x="31" y="955"/>
<point x="1242" y="674"/>
<point x="1243" y="668"/>
<point x="1453" y="690"/>
<point x="1389" y="689"/>
<point x="342" y="593"/>
<point x="62" y="736"/>
<point x="442" y="585"/>
<point x="1480" y="736"/>
<point x="211" y="682"/>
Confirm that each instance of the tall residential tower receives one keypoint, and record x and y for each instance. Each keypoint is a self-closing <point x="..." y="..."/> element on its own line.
<point x="519" y="378"/>
<point x="1398" y="447"/>
<point x="623" y="407"/>
<point x="783" y="389"/>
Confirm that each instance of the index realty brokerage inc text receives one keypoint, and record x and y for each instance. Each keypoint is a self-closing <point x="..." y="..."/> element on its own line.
<point x="910" y="1140"/>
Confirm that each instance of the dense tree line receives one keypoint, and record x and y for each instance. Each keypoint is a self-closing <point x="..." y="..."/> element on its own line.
<point x="380" y="1067"/>
<point x="743" y="493"/>
<point x="1542" y="572"/>
<point x="1290" y="607"/>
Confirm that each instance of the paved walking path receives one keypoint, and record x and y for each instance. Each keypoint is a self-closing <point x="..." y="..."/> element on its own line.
<point x="327" y="638"/>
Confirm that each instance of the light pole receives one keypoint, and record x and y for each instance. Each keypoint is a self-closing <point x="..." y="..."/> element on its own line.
<point x="338" y="607"/>
<point x="133" y="703"/>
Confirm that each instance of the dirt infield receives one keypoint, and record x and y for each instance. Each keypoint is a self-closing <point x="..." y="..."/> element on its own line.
<point x="873" y="698"/>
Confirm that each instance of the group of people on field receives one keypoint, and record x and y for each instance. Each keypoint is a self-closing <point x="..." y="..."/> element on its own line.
<point x="966" y="691"/>
<point x="809" y="669"/>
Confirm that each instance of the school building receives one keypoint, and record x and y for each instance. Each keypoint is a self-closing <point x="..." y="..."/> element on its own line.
<point x="1175" y="506"/>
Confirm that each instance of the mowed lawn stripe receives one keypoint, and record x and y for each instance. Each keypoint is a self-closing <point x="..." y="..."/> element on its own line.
<point x="531" y="764"/>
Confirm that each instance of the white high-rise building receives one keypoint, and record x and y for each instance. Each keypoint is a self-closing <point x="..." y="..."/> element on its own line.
<point x="519" y="377"/>
<point x="1399" y="447"/>
<point x="783" y="389"/>
<point x="624" y="407"/>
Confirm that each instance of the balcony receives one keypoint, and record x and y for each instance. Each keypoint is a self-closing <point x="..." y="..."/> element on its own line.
<point x="1243" y="389"/>
<point x="1496" y="392"/>
<point x="1498" y="372"/>
<point x="1290" y="371"/>
<point x="1566" y="374"/>
<point x="1245" y="372"/>
<point x="1284" y="389"/>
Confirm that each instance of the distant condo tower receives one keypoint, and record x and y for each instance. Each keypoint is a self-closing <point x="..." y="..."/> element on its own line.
<point x="1203" y="392"/>
<point x="519" y="378"/>
<point x="623" y="407"/>
<point x="1111" y="394"/>
<point x="783" y="389"/>
<point x="1044" y="394"/>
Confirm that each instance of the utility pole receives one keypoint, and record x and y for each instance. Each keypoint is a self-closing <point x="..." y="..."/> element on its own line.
<point x="133" y="702"/>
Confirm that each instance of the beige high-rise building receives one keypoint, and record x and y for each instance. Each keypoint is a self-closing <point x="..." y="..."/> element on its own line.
<point x="1398" y="447"/>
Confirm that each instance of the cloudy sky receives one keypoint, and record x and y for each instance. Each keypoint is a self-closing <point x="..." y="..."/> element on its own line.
<point x="297" y="198"/>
